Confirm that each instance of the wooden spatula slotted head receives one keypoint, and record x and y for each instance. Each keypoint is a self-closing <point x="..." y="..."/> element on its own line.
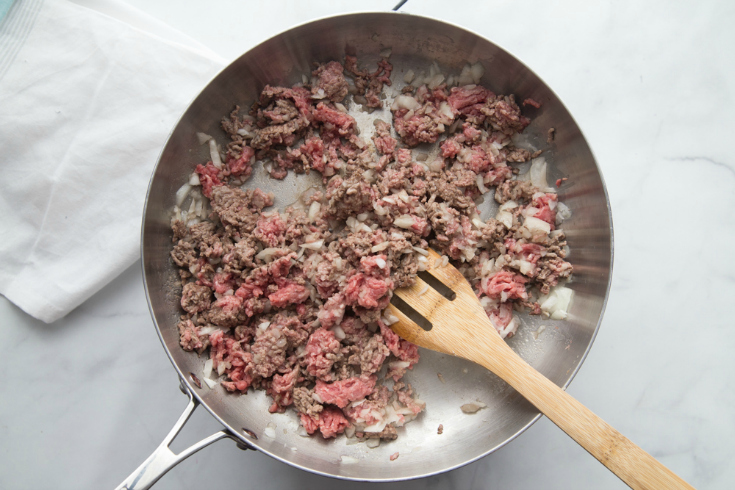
<point x="460" y="327"/>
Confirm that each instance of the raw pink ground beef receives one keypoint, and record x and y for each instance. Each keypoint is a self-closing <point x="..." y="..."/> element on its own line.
<point x="290" y="301"/>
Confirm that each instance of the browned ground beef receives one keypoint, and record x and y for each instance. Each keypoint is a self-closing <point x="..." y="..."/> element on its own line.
<point x="291" y="301"/>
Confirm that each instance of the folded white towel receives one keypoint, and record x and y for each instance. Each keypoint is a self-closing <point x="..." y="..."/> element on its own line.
<point x="86" y="104"/>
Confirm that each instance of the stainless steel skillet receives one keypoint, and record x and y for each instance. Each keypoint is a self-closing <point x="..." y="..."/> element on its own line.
<point x="558" y="352"/>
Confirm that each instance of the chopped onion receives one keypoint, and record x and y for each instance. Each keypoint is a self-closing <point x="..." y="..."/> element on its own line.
<point x="341" y="108"/>
<point x="538" y="332"/>
<point x="405" y="102"/>
<point x="423" y="289"/>
<point x="194" y="179"/>
<point x="210" y="382"/>
<point x="436" y="164"/>
<point x="563" y="212"/>
<point x="214" y="154"/>
<point x="389" y="318"/>
<point x="182" y="193"/>
<point x="477" y="70"/>
<point x="481" y="184"/>
<point x="264" y="325"/>
<point x="267" y="254"/>
<point x="422" y="251"/>
<point x="535" y="224"/>
<point x="380" y="263"/>
<point x="203" y="138"/>
<point x="317" y="245"/>
<point x="380" y="247"/>
<point x="556" y="303"/>
<point x="385" y="53"/>
<point x="269" y="431"/>
<point x="446" y="110"/>
<point x="465" y="76"/>
<point x="207" y="371"/>
<point x="348" y="459"/>
<point x="404" y="221"/>
<point x="409" y="76"/>
<point x="435" y="81"/>
<point x="373" y="443"/>
<point x="314" y="209"/>
<point x="339" y="334"/>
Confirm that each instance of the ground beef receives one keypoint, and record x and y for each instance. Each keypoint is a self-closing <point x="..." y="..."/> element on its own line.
<point x="515" y="190"/>
<point x="291" y="301"/>
<point x="195" y="298"/>
<point x="330" y="81"/>
<point x="369" y="85"/>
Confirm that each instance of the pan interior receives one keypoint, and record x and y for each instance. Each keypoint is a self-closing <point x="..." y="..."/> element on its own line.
<point x="443" y="382"/>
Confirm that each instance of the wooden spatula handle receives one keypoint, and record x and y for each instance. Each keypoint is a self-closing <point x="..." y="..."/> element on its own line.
<point x="629" y="462"/>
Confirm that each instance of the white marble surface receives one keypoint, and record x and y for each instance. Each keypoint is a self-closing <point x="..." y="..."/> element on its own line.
<point x="85" y="399"/>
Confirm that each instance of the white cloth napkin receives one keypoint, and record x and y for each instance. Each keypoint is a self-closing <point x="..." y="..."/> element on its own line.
<point x="86" y="104"/>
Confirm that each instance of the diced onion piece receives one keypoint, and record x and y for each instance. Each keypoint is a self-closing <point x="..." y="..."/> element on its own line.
<point x="373" y="443"/>
<point x="182" y="193"/>
<point x="510" y="328"/>
<point x="385" y="53"/>
<point x="264" y="325"/>
<point x="203" y="138"/>
<point x="380" y="263"/>
<point x="537" y="175"/>
<point x="435" y="81"/>
<point x="446" y="110"/>
<point x="317" y="245"/>
<point x="207" y="371"/>
<point x="194" y="179"/>
<point x="405" y="102"/>
<point x="508" y="205"/>
<point x="556" y="303"/>
<point x="340" y="108"/>
<point x="270" y="431"/>
<point x="348" y="459"/>
<point x="389" y="318"/>
<point x="422" y="251"/>
<point x="535" y="224"/>
<point x="267" y="253"/>
<point x="314" y="209"/>
<point x="424" y="289"/>
<point x="409" y="76"/>
<point x="214" y="154"/>
<point x="465" y="76"/>
<point x="339" y="334"/>
<point x="404" y="221"/>
<point x="477" y="71"/>
<point x="538" y="332"/>
<point x="563" y="212"/>
<point x="380" y="247"/>
<point x="210" y="382"/>
<point x="481" y="184"/>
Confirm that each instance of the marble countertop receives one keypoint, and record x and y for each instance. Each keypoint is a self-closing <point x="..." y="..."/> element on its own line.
<point x="87" y="398"/>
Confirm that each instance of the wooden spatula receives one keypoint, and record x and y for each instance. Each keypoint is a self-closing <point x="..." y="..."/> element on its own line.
<point x="462" y="328"/>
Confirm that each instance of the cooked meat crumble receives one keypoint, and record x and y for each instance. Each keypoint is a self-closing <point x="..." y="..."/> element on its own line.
<point x="291" y="301"/>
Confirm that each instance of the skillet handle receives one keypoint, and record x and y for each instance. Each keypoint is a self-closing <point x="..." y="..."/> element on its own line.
<point x="163" y="459"/>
